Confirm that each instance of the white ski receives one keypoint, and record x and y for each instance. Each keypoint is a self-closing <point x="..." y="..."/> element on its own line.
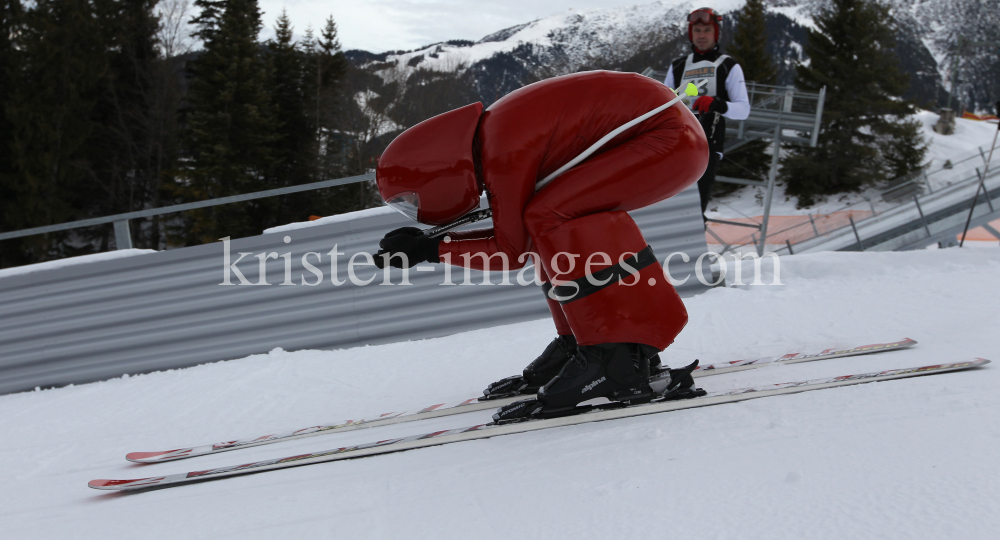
<point x="483" y="431"/>
<point x="473" y="404"/>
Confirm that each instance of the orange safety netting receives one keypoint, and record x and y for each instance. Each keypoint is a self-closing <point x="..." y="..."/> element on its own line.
<point x="796" y="229"/>
<point x="979" y="117"/>
<point x="981" y="234"/>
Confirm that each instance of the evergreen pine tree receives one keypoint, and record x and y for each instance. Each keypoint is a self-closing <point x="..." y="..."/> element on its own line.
<point x="309" y="49"/>
<point x="864" y="138"/>
<point x="208" y="19"/>
<point x="293" y="140"/>
<point x="295" y="143"/>
<point x="76" y="119"/>
<point x="230" y="122"/>
<point x="334" y="98"/>
<point x="10" y="20"/>
<point x="61" y="56"/>
<point x="316" y="106"/>
<point x="749" y="49"/>
<point x="169" y="87"/>
<point x="331" y="91"/>
<point x="122" y="148"/>
<point x="333" y="63"/>
<point x="749" y="46"/>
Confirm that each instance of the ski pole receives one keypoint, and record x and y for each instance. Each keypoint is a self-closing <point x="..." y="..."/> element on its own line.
<point x="471" y="217"/>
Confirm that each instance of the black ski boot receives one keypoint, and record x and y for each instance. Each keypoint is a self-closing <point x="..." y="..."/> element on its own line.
<point x="538" y="372"/>
<point x="617" y="371"/>
<point x="544" y="368"/>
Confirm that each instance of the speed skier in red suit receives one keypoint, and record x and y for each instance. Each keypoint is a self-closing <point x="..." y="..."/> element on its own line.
<point x="612" y="306"/>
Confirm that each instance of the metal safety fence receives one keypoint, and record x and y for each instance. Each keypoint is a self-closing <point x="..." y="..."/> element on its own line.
<point x="920" y="209"/>
<point x="169" y="309"/>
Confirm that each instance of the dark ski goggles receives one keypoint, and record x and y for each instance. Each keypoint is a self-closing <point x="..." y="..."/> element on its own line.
<point x="703" y="16"/>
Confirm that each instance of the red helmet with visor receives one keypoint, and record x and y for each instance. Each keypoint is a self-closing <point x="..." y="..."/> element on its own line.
<point x="704" y="16"/>
<point x="427" y="173"/>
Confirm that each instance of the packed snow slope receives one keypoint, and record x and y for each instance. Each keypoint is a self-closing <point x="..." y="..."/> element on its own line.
<point x="908" y="459"/>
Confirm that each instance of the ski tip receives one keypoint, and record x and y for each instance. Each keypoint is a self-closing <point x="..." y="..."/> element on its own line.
<point x="958" y="366"/>
<point x="120" y="484"/>
<point x="147" y="457"/>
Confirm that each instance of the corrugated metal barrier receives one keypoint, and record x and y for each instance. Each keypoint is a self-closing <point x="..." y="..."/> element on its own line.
<point x="168" y="310"/>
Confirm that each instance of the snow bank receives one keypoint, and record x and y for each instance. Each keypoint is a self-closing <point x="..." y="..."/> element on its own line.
<point x="339" y="218"/>
<point x="331" y="219"/>
<point x="72" y="261"/>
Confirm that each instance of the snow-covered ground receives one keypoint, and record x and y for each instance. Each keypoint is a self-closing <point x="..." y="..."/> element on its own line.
<point x="72" y="261"/>
<point x="909" y="459"/>
<point x="338" y="218"/>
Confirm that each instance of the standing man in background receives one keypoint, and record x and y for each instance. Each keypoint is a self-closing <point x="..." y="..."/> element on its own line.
<point x="724" y="96"/>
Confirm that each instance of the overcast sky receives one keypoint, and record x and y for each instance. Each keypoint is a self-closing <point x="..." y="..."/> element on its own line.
<point x="383" y="25"/>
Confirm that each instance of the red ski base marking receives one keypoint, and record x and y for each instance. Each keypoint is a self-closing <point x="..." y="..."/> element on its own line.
<point x="111" y="483"/>
<point x="431" y="408"/>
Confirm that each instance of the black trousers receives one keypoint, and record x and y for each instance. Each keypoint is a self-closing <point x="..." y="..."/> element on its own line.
<point x="707" y="179"/>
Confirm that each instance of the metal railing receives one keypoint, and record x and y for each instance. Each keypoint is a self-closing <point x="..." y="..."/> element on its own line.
<point x="935" y="197"/>
<point x="906" y="186"/>
<point x="784" y="106"/>
<point x="123" y="237"/>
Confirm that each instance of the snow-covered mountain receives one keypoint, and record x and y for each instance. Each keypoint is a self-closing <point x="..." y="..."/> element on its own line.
<point x="939" y="39"/>
<point x="566" y="41"/>
<point x="650" y="35"/>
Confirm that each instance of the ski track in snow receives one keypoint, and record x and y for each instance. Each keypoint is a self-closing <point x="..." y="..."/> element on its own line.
<point x="905" y="459"/>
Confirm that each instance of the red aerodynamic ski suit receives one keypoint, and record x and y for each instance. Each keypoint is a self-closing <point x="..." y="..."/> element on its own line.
<point x="533" y="131"/>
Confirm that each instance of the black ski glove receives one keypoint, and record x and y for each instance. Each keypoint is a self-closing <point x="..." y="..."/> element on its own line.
<point x="407" y="241"/>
